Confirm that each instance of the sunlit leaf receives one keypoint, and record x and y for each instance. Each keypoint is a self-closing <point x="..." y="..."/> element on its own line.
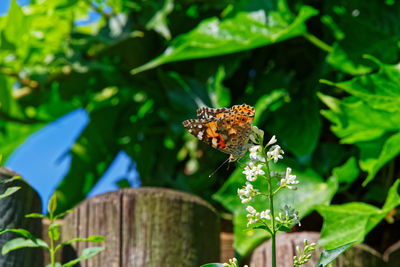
<point x="250" y="27"/>
<point x="351" y="222"/>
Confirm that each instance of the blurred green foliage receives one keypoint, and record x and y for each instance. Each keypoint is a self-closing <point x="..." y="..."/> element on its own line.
<point x="268" y="53"/>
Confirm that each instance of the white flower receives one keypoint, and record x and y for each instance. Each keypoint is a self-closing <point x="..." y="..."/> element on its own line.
<point x="255" y="154"/>
<point x="251" y="171"/>
<point x="247" y="193"/>
<point x="253" y="216"/>
<point x="272" y="141"/>
<point x="257" y="135"/>
<point x="265" y="214"/>
<point x="251" y="210"/>
<point x="275" y="153"/>
<point x="289" y="180"/>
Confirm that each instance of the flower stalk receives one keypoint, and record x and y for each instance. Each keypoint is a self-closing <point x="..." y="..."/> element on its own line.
<point x="259" y="166"/>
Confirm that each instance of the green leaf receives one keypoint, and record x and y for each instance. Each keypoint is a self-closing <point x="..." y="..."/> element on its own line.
<point x="52" y="204"/>
<point x="257" y="26"/>
<point x="379" y="90"/>
<point x="9" y="191"/>
<point x="348" y="172"/>
<point x="86" y="254"/>
<point x="22" y="232"/>
<point x="351" y="222"/>
<point x="302" y="136"/>
<point x="284" y="229"/>
<point x="20" y="242"/>
<point x="262" y="227"/>
<point x="368" y="128"/>
<point x="56" y="265"/>
<point x="220" y="95"/>
<point x="212" y="265"/>
<point x="327" y="256"/>
<point x="159" y="21"/>
<point x="54" y="231"/>
<point x="265" y="101"/>
<point x="16" y="27"/>
<point x="94" y="238"/>
<point x="311" y="191"/>
<point x="35" y="215"/>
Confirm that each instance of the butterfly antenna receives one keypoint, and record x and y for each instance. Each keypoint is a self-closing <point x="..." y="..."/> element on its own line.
<point x="219" y="167"/>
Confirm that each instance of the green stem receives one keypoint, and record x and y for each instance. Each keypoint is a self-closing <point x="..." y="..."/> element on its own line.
<point x="52" y="251"/>
<point x="52" y="254"/>
<point x="317" y="42"/>
<point x="271" y="206"/>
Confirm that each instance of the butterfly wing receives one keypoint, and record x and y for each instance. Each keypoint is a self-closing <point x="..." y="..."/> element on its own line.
<point x="235" y="129"/>
<point x="206" y="130"/>
<point x="208" y="113"/>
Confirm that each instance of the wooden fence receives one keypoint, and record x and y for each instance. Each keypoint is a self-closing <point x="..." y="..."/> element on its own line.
<point x="153" y="227"/>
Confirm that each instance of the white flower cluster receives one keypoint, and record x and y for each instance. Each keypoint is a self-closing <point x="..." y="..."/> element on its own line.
<point x="275" y="153"/>
<point x="254" y="216"/>
<point x="255" y="154"/>
<point x="252" y="171"/>
<point x="289" y="216"/>
<point x="257" y="135"/>
<point x="247" y="193"/>
<point x="289" y="180"/>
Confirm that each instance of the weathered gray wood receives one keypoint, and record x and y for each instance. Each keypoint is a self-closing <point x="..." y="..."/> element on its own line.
<point x="147" y="227"/>
<point x="227" y="250"/>
<point x="357" y="256"/>
<point x="285" y="250"/>
<point x="12" y="215"/>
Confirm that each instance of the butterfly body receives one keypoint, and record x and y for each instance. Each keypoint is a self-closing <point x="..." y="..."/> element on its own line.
<point x="226" y="129"/>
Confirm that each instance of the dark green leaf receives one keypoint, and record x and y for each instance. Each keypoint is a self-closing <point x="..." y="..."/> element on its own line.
<point x="365" y="28"/>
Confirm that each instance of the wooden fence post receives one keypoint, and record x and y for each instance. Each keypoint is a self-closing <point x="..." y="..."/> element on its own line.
<point x="12" y="215"/>
<point x="357" y="256"/>
<point x="146" y="227"/>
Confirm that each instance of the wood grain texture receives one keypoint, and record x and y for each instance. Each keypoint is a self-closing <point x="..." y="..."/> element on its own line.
<point x="147" y="227"/>
<point x="357" y="256"/>
<point x="12" y="215"/>
<point x="227" y="249"/>
<point x="286" y="249"/>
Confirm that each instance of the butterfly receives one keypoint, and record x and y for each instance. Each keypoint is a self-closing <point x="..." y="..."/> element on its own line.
<point x="226" y="129"/>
